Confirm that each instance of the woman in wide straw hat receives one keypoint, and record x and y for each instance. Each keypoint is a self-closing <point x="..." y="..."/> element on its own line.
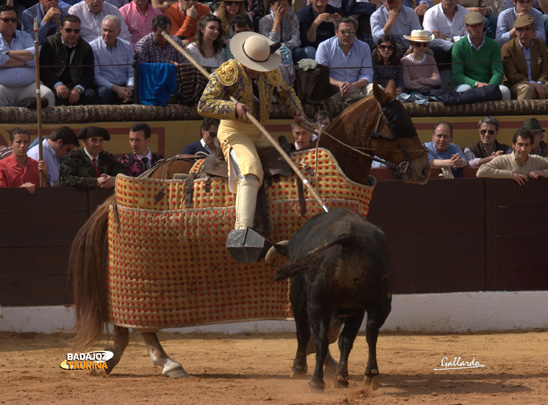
<point x="251" y="78"/>
<point x="420" y="72"/>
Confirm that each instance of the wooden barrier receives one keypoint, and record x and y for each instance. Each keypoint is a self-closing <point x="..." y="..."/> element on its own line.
<point x="447" y="236"/>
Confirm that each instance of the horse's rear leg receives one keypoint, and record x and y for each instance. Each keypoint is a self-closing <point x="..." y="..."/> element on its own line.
<point x="170" y="368"/>
<point x="120" y="340"/>
<point x="375" y="319"/>
<point x="346" y="342"/>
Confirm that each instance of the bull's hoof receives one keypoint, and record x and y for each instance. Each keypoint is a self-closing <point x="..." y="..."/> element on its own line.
<point x="371" y="380"/>
<point x="298" y="371"/>
<point x="330" y="363"/>
<point x="317" y="384"/>
<point x="341" y="382"/>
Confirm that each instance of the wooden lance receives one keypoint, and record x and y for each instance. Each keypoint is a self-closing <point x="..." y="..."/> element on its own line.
<point x="38" y="100"/>
<point x="254" y="121"/>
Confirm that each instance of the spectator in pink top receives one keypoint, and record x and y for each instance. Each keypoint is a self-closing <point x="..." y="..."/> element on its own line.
<point x="420" y="72"/>
<point x="138" y="15"/>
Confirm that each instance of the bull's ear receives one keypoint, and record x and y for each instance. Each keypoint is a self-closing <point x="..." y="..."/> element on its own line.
<point x="282" y="248"/>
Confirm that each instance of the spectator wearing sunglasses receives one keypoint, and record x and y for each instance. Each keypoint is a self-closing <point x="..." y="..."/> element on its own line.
<point x="395" y="19"/>
<point x="420" y="72"/>
<point x="67" y="64"/>
<point x="17" y="72"/>
<point x="206" y="144"/>
<point x="487" y="147"/>
<point x="386" y="64"/>
<point x="348" y="59"/>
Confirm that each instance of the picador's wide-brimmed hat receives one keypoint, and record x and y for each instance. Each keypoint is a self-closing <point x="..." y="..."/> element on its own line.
<point x="419" y="36"/>
<point x="255" y="51"/>
<point x="94" y="132"/>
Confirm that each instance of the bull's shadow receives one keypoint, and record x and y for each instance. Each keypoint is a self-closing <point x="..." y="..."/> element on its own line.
<point x="426" y="384"/>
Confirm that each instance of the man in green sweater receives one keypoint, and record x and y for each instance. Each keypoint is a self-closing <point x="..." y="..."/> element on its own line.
<point x="476" y="58"/>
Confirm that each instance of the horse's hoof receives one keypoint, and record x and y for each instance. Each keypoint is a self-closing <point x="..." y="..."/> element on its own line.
<point x="176" y="373"/>
<point x="172" y="369"/>
<point x="341" y="382"/>
<point x="371" y="381"/>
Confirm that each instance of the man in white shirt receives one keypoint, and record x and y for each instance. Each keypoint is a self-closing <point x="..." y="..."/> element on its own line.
<point x="446" y="22"/>
<point x="92" y="13"/>
<point x="17" y="71"/>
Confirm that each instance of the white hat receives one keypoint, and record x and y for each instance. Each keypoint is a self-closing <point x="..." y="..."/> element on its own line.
<point x="255" y="51"/>
<point x="419" y="36"/>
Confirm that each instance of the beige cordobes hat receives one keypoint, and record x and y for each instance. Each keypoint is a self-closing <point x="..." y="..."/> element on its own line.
<point x="419" y="36"/>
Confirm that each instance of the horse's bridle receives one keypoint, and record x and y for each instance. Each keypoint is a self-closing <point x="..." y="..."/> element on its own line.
<point x="402" y="167"/>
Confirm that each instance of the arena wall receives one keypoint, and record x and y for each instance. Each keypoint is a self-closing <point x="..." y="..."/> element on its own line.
<point x="466" y="254"/>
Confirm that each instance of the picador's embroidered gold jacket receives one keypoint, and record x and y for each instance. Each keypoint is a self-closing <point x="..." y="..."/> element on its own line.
<point x="230" y="79"/>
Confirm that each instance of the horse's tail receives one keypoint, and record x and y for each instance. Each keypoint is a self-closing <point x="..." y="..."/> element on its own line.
<point x="87" y="264"/>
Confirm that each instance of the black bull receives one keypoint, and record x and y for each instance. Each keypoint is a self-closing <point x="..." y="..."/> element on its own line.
<point x="339" y="268"/>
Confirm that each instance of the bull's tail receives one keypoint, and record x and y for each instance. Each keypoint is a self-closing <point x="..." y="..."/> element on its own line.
<point x="87" y="264"/>
<point x="309" y="260"/>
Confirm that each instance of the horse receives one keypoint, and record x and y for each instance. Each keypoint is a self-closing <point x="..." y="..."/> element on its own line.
<point x="374" y="126"/>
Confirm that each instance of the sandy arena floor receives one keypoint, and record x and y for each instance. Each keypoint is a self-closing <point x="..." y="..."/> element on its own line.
<point x="254" y="369"/>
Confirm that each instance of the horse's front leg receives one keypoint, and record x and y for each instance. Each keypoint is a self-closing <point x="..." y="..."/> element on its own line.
<point x="120" y="340"/>
<point x="346" y="342"/>
<point x="170" y="368"/>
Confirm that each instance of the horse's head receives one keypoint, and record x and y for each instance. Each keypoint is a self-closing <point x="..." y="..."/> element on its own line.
<point x="396" y="140"/>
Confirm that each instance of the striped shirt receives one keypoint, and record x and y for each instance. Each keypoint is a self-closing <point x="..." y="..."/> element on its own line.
<point x="148" y="51"/>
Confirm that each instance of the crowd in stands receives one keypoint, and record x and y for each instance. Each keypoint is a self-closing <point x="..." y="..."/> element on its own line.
<point x="87" y="46"/>
<point x="87" y="53"/>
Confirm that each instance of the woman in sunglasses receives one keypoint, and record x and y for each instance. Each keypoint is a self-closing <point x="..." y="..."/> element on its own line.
<point x="208" y="48"/>
<point x="420" y="72"/>
<point x="386" y="64"/>
<point x="226" y="12"/>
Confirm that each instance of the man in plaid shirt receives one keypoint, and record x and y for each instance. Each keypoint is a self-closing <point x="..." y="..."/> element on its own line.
<point x="153" y="48"/>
